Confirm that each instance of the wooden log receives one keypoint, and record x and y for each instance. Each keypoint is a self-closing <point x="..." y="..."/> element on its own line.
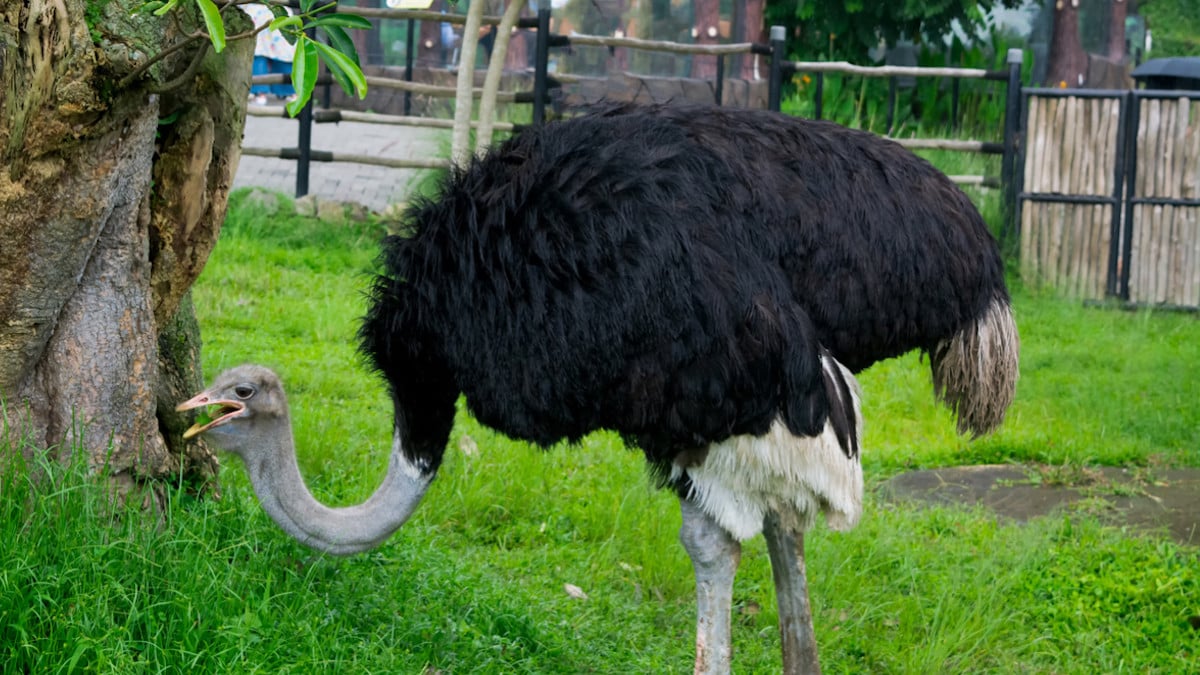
<point x="1083" y="258"/>
<point x="1100" y="247"/>
<point x="1031" y="139"/>
<point x="883" y="71"/>
<point x="1028" y="236"/>
<point x="1162" y="261"/>
<point x="1194" y="274"/>
<point x="1179" y="143"/>
<point x="1046" y="147"/>
<point x="1175" y="272"/>
<point x="394" y="163"/>
<point x="1135" y="253"/>
<point x="1056" y="244"/>
<point x="1166" y="158"/>
<point x="1087" y="147"/>
<point x="1154" y="157"/>
<point x="1056" y="157"/>
<point x="1046" y="217"/>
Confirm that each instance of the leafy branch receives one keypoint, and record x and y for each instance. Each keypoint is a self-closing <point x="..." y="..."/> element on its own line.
<point x="302" y="29"/>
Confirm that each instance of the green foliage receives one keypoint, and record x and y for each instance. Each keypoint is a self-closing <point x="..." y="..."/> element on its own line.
<point x="925" y="109"/>
<point x="340" y="55"/>
<point x="93" y="15"/>
<point x="848" y="29"/>
<point x="1175" y="25"/>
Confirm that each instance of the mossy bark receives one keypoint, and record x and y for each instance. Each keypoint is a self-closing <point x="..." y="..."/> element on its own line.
<point x="112" y="191"/>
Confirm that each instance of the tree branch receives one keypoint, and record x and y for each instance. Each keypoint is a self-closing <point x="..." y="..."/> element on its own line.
<point x="186" y="75"/>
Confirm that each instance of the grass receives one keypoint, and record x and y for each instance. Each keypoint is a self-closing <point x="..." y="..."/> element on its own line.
<point x="475" y="582"/>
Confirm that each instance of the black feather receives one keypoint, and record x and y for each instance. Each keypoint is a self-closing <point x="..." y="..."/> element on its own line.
<point x="671" y="273"/>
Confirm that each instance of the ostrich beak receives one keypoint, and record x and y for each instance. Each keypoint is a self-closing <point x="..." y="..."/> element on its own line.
<point x="228" y="410"/>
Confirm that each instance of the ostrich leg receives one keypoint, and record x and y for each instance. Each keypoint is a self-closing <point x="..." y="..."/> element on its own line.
<point x="786" y="549"/>
<point x="715" y="557"/>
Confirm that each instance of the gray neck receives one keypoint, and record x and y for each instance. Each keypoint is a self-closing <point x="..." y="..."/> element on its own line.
<point x="341" y="531"/>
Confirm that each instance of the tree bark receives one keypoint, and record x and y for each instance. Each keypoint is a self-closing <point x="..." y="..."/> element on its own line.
<point x="1116" y="30"/>
<point x="1067" y="65"/>
<point x="708" y="32"/>
<point x="753" y="30"/>
<point x="112" y="195"/>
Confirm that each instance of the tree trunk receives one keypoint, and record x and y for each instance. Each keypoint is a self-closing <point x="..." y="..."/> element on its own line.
<point x="753" y="30"/>
<point x="708" y="32"/>
<point x="113" y="193"/>
<point x="1067" y="65"/>
<point x="1116" y="30"/>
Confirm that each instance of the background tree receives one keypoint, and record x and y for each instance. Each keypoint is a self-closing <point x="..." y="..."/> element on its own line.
<point x="849" y="29"/>
<point x="1067" y="64"/>
<point x="1175" y="25"/>
<point x="1119" y="9"/>
<point x="707" y="30"/>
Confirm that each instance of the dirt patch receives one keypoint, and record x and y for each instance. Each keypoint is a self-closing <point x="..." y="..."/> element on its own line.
<point x="1165" y="500"/>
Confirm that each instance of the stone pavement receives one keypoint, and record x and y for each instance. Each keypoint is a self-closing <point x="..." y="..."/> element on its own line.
<point x="373" y="186"/>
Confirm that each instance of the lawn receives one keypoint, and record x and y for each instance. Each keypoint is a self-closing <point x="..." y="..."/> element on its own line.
<point x="476" y="581"/>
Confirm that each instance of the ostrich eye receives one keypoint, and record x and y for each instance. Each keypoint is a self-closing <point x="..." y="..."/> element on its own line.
<point x="243" y="391"/>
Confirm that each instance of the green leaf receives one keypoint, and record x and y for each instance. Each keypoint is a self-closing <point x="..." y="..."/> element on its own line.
<point x="342" y="42"/>
<point x="344" y="20"/>
<point x="341" y="78"/>
<point x="340" y="61"/>
<point x="304" y="74"/>
<point x="214" y="24"/>
<point x="285" y="21"/>
<point x="149" y="7"/>
<point x="278" y="10"/>
<point x="166" y="8"/>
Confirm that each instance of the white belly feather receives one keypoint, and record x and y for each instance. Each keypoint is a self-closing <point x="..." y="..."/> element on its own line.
<point x="744" y="477"/>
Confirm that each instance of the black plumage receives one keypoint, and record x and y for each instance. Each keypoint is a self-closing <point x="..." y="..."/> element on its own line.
<point x="672" y="273"/>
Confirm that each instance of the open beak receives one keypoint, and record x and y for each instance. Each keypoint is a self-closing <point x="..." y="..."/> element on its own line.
<point x="226" y="410"/>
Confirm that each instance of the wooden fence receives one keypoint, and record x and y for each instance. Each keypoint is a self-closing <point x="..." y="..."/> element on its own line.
<point x="1164" y="246"/>
<point x="1110" y="205"/>
<point x="1071" y="149"/>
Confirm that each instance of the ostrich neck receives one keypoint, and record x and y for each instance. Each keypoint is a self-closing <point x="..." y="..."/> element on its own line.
<point x="276" y="477"/>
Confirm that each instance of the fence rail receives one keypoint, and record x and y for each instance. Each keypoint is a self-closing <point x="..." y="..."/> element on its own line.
<point x="543" y="83"/>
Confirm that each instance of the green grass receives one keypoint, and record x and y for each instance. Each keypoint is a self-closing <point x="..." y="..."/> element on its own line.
<point x="474" y="583"/>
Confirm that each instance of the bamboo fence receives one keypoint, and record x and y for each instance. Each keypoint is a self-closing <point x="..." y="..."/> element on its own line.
<point x="1071" y="150"/>
<point x="1165" y="245"/>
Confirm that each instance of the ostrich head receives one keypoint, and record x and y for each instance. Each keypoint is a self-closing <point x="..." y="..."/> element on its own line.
<point x="251" y="408"/>
<point x="251" y="420"/>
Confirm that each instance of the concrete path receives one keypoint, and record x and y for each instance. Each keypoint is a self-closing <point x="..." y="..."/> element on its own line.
<point x="373" y="186"/>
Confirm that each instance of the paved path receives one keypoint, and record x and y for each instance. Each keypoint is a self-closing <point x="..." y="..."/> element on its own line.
<point x="372" y="186"/>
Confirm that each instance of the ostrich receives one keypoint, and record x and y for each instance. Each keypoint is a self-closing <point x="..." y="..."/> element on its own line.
<point x="704" y="281"/>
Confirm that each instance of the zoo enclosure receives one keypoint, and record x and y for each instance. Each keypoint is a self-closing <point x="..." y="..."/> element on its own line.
<point x="544" y="83"/>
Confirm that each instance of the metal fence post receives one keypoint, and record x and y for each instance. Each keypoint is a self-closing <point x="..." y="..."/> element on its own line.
<point x="1012" y="140"/>
<point x="818" y="95"/>
<point x="541" y="63"/>
<point x="775" y="81"/>
<point x="720" y="89"/>
<point x="410" y="55"/>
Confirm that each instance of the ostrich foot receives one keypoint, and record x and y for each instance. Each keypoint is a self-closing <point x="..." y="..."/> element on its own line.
<point x="786" y="549"/>
<point x="715" y="557"/>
